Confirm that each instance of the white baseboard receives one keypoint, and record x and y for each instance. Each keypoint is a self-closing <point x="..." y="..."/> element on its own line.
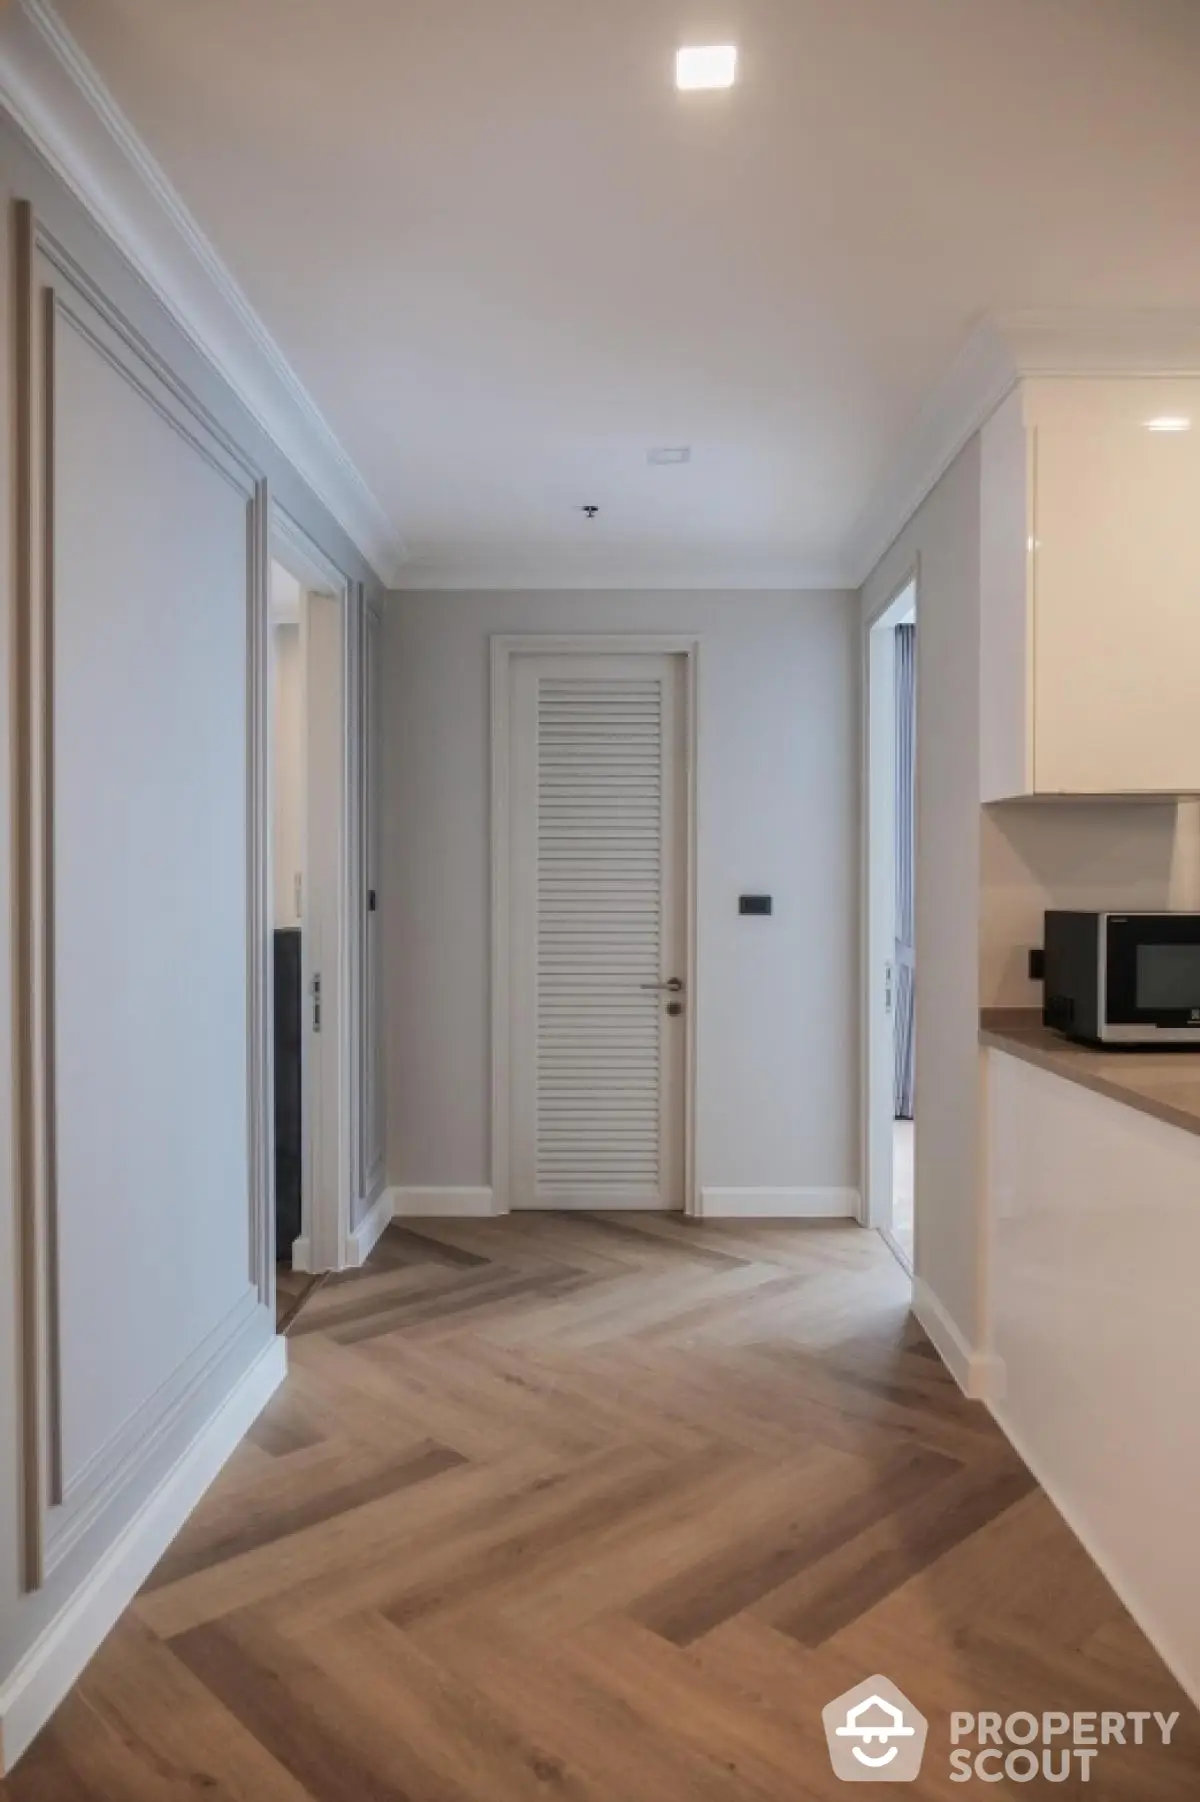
<point x="977" y="1373"/>
<point x="367" y="1234"/>
<point x="778" y="1204"/>
<point x="442" y="1204"/>
<point x="301" y="1255"/>
<point x="36" y="1687"/>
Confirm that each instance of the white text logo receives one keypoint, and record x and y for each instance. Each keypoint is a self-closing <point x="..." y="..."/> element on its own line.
<point x="875" y="1734"/>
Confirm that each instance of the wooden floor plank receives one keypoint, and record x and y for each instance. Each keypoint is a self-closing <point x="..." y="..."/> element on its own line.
<point x="602" y="1508"/>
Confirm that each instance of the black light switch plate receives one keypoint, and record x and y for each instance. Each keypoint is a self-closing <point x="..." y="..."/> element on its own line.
<point x="1037" y="964"/>
<point x="754" y="904"/>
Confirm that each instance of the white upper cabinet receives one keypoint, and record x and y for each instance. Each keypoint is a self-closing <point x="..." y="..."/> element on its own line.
<point x="1090" y="589"/>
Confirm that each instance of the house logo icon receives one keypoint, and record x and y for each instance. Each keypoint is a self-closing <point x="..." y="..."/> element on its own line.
<point x="875" y="1734"/>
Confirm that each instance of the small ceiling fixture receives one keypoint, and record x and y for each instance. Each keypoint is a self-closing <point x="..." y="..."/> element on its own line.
<point x="705" y="66"/>
<point x="670" y="453"/>
<point x="590" y="511"/>
<point x="1169" y="422"/>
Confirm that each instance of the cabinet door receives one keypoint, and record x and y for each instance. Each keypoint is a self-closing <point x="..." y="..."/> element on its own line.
<point x="1116" y="588"/>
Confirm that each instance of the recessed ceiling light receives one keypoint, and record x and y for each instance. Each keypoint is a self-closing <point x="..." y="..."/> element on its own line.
<point x="706" y="66"/>
<point x="670" y="453"/>
<point x="1169" y="422"/>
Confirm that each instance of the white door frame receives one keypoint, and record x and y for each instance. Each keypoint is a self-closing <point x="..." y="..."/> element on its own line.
<point x="879" y="900"/>
<point x="326" y="1218"/>
<point x="371" y="1176"/>
<point x="504" y="648"/>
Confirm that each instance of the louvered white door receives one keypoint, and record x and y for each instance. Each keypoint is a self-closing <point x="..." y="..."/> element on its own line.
<point x="598" y="875"/>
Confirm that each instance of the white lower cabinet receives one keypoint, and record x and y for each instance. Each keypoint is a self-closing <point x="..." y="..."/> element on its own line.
<point x="1093" y="1278"/>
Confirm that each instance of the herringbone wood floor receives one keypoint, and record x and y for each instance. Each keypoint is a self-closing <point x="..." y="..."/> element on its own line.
<point x="602" y="1509"/>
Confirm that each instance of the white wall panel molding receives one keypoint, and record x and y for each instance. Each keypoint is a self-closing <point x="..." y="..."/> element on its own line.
<point x="1003" y="349"/>
<point x="35" y="1688"/>
<point x="83" y="378"/>
<point x="59" y="101"/>
<point x="135" y="1444"/>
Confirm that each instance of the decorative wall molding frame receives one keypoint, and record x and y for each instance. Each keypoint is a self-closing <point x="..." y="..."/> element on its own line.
<point x="34" y="1690"/>
<point x="138" y="1441"/>
<point x="57" y="98"/>
<point x="1003" y="349"/>
<point x="54" y="296"/>
<point x="32" y="846"/>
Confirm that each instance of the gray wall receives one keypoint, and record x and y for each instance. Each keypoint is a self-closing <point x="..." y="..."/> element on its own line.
<point x="778" y="807"/>
<point x="156" y="1303"/>
<point x="944" y="535"/>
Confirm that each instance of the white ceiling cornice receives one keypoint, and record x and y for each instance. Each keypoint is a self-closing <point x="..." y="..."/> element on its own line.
<point x="1102" y="340"/>
<point x="1003" y="349"/>
<point x="578" y="571"/>
<point x="974" y="385"/>
<point x="59" y="101"/>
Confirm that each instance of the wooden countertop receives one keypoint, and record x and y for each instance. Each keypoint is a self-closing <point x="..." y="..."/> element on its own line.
<point x="1163" y="1083"/>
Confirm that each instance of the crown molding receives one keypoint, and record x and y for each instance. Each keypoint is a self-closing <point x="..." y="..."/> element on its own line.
<point x="621" y="571"/>
<point x="1003" y="349"/>
<point x="970" y="390"/>
<point x="57" y="98"/>
<point x="1102" y="341"/>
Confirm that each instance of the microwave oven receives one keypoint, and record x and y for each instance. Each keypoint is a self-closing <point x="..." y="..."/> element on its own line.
<point x="1123" y="978"/>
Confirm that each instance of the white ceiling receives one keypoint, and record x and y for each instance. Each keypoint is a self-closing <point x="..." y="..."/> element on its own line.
<point x="506" y="258"/>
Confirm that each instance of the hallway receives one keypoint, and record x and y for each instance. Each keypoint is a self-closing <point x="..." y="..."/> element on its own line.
<point x="604" y="1509"/>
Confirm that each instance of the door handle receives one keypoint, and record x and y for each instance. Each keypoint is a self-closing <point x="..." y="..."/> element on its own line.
<point x="672" y="986"/>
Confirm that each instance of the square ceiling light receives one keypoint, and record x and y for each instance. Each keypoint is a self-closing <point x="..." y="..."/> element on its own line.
<point x="705" y="66"/>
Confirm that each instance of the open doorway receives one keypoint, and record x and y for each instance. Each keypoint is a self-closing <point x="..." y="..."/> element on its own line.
<point x="891" y="921"/>
<point x="311" y="775"/>
<point x="287" y="904"/>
